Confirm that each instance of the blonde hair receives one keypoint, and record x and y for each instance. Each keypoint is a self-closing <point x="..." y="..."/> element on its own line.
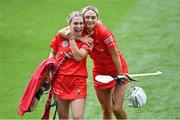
<point x="74" y="14"/>
<point x="84" y="10"/>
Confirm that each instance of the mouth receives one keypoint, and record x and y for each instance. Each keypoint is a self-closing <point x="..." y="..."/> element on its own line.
<point x="78" y="31"/>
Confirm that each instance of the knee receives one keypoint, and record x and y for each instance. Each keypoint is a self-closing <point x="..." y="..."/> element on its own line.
<point x="107" y="110"/>
<point x="119" y="113"/>
<point x="117" y="109"/>
<point x="77" y="117"/>
<point x="63" y="116"/>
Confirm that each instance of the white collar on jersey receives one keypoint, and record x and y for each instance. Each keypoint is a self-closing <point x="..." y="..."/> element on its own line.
<point x="90" y="33"/>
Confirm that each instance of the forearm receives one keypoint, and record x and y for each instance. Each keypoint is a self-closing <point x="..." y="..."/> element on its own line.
<point x="117" y="63"/>
<point x="116" y="59"/>
<point x="52" y="54"/>
<point x="78" y="54"/>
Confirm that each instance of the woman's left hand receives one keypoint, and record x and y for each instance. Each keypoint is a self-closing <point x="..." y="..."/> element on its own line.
<point x="87" y="40"/>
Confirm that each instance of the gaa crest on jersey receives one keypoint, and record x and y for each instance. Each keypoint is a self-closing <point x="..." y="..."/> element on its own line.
<point x="65" y="43"/>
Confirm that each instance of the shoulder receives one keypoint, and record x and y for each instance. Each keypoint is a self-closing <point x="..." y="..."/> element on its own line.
<point x="102" y="28"/>
<point x="60" y="37"/>
<point x="63" y="30"/>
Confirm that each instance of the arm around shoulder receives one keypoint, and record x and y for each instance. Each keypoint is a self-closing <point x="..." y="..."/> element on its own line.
<point x="64" y="32"/>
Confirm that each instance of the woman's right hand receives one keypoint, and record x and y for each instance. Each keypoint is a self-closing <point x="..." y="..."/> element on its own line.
<point x="66" y="32"/>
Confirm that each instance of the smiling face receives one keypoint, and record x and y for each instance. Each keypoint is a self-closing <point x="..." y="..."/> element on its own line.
<point x="90" y="19"/>
<point x="77" y="25"/>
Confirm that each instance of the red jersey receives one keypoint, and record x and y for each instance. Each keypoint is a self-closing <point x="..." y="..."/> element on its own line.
<point x="71" y="66"/>
<point x="103" y="63"/>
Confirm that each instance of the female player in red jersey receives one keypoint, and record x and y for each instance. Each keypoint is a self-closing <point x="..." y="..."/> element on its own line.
<point x="108" y="60"/>
<point x="70" y="83"/>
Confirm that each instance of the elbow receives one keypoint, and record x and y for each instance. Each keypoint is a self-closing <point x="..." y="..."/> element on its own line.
<point x="78" y="58"/>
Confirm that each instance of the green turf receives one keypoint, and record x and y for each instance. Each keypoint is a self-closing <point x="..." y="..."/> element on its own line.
<point x="147" y="33"/>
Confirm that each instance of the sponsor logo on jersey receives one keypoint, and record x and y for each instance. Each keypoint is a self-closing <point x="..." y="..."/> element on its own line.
<point x="65" y="43"/>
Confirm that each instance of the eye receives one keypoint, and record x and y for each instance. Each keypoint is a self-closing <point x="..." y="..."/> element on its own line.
<point x="75" y="23"/>
<point x="87" y="17"/>
<point x="93" y="17"/>
<point x="81" y="23"/>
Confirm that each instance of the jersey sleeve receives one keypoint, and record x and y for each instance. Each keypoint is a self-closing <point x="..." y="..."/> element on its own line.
<point x="109" y="39"/>
<point x="54" y="43"/>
